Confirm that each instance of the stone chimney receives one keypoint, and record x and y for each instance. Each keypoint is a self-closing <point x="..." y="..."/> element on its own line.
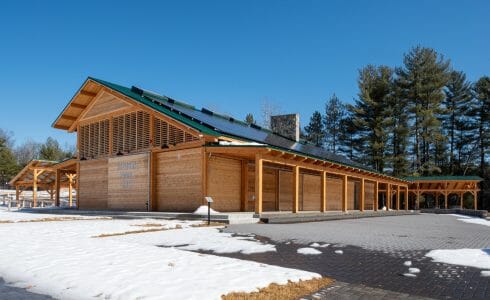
<point x="286" y="125"/>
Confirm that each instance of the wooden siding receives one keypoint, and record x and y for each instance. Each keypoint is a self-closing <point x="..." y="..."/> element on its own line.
<point x="285" y="190"/>
<point x="224" y="183"/>
<point x="178" y="180"/>
<point x="369" y="198"/>
<point x="92" y="184"/>
<point x="334" y="193"/>
<point x="104" y="104"/>
<point x="311" y="192"/>
<point x="128" y="182"/>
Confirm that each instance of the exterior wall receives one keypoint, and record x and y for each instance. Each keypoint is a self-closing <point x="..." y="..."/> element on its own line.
<point x="311" y="192"/>
<point x="178" y="180"/>
<point x="224" y="183"/>
<point x="334" y="193"/>
<point x="128" y="182"/>
<point x="369" y="197"/>
<point x="285" y="190"/>
<point x="93" y="185"/>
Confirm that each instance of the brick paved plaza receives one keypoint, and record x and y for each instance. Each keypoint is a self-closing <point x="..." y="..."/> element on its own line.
<point x="374" y="252"/>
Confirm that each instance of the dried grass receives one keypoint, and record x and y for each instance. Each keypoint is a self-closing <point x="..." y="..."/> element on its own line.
<point x="55" y="219"/>
<point x="212" y="224"/>
<point x="136" y="231"/>
<point x="289" y="291"/>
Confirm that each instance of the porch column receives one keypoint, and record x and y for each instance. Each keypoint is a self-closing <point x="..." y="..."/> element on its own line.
<point x="57" y="187"/>
<point x="363" y="195"/>
<point x="461" y="200"/>
<point x="258" y="183"/>
<point x="70" y="189"/>
<point x="34" y="188"/>
<point x="295" y="183"/>
<point x="17" y="196"/>
<point x="376" y="196"/>
<point x="406" y="198"/>
<point x="445" y="199"/>
<point x="244" y="186"/>
<point x="388" y="196"/>
<point x="475" y="200"/>
<point x="324" y="192"/>
<point x="397" y="197"/>
<point x="344" y="193"/>
<point x="418" y="200"/>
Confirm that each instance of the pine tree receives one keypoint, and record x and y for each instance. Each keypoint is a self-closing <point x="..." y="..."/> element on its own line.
<point x="481" y="112"/>
<point x="349" y="144"/>
<point x="398" y="132"/>
<point x="458" y="96"/>
<point x="51" y="150"/>
<point x="314" y="131"/>
<point x="421" y="80"/>
<point x="8" y="163"/>
<point x="249" y="119"/>
<point x="370" y="114"/>
<point x="334" y="113"/>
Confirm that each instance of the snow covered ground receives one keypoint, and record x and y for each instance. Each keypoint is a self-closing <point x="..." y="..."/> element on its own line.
<point x="66" y="260"/>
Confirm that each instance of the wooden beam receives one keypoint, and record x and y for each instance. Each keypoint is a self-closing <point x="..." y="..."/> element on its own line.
<point x="258" y="183"/>
<point x="406" y="198"/>
<point x="475" y="200"/>
<point x="76" y="105"/>
<point x="204" y="175"/>
<point x="57" y="187"/>
<point x="71" y="118"/>
<point x="87" y="93"/>
<point x="344" y="192"/>
<point x="363" y="195"/>
<point x="34" y="187"/>
<point x="445" y="199"/>
<point x="323" y="206"/>
<point x="295" y="183"/>
<point x="388" y="196"/>
<point x="376" y="196"/>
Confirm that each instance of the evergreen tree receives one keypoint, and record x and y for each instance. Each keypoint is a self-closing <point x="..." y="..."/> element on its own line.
<point x="348" y="140"/>
<point x="421" y="80"/>
<point x="249" y="119"/>
<point x="8" y="163"/>
<point x="458" y="96"/>
<point x="481" y="112"/>
<point x="370" y="114"/>
<point x="398" y="132"/>
<point x="314" y="131"/>
<point x="51" y="150"/>
<point x="334" y="113"/>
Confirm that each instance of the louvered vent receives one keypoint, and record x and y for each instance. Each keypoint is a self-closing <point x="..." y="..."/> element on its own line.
<point x="94" y="139"/>
<point x="167" y="134"/>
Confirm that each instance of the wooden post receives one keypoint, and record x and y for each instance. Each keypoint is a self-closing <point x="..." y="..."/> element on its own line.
<point x="363" y="195"/>
<point x="70" y="189"/>
<point x="17" y="196"/>
<point x="344" y="192"/>
<point x="258" y="183"/>
<point x="34" y="188"/>
<point x="295" y="189"/>
<point x="244" y="186"/>
<point x="397" y="197"/>
<point x="78" y="185"/>
<point x="445" y="199"/>
<point x="475" y="200"/>
<point x="324" y="192"/>
<point x="406" y="198"/>
<point x="418" y="200"/>
<point x="461" y="200"/>
<point x="204" y="175"/>
<point x="388" y="196"/>
<point x="57" y="185"/>
<point x="376" y="196"/>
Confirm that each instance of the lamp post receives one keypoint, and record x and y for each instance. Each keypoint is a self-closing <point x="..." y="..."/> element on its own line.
<point x="209" y="200"/>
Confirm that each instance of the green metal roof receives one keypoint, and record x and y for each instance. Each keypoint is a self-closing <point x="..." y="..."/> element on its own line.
<point x="442" y="178"/>
<point x="146" y="98"/>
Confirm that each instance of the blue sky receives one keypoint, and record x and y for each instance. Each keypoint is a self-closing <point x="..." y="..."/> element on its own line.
<point x="230" y="56"/>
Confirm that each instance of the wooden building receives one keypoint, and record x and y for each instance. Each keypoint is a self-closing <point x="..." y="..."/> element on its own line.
<point x="138" y="150"/>
<point x="445" y="187"/>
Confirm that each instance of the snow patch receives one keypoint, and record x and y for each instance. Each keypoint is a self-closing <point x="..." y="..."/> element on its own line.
<point x="309" y="251"/>
<point x="478" y="258"/>
<point x="407" y="263"/>
<point x="409" y="275"/>
<point x="476" y="221"/>
<point x="203" y="210"/>
<point x="339" y="251"/>
<point x="318" y="245"/>
<point x="413" y="270"/>
<point x="485" y="273"/>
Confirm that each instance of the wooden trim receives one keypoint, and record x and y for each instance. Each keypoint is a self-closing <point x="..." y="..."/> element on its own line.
<point x="376" y="196"/>
<point x="323" y="206"/>
<point x="295" y="183"/>
<point x="345" y="187"/>
<point x="204" y="175"/>
<point x="258" y="183"/>
<point x="363" y="195"/>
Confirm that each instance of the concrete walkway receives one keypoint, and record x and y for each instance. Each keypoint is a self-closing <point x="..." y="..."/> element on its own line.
<point x="14" y="293"/>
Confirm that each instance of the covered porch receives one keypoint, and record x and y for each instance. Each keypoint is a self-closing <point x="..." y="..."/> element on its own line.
<point x="49" y="176"/>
